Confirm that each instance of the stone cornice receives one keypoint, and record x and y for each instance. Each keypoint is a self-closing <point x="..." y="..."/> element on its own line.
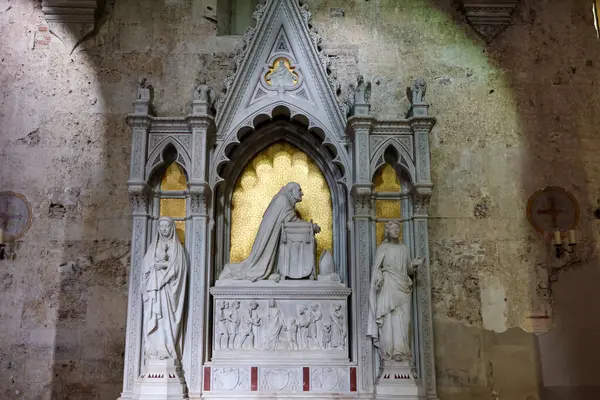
<point x="70" y="11"/>
<point x="489" y="17"/>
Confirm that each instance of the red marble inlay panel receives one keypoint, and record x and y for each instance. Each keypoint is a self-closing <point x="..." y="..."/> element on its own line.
<point x="254" y="379"/>
<point x="306" y="379"/>
<point x="353" y="379"/>
<point x="207" y="379"/>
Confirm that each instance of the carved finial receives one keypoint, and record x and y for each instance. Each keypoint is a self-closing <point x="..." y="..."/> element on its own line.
<point x="418" y="91"/>
<point x="204" y="98"/>
<point x="416" y="96"/>
<point x="143" y="98"/>
<point x="202" y="92"/>
<point x="143" y="91"/>
<point x="357" y="101"/>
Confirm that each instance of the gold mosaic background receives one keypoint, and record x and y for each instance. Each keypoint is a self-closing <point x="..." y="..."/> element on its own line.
<point x="174" y="179"/>
<point x="261" y="179"/>
<point x="386" y="180"/>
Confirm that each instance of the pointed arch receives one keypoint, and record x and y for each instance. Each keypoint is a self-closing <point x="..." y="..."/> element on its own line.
<point x="156" y="159"/>
<point x="308" y="142"/>
<point x="282" y="30"/>
<point x="401" y="162"/>
<point x="271" y="112"/>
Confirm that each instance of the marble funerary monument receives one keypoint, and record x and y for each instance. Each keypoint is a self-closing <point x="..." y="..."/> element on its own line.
<point x="314" y="305"/>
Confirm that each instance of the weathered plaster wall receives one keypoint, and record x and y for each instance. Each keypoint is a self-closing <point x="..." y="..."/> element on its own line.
<point x="513" y="117"/>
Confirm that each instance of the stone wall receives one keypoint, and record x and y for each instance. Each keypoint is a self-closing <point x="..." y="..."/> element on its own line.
<point x="513" y="117"/>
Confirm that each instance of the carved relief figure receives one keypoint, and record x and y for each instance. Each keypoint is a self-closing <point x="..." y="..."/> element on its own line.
<point x="250" y="325"/>
<point x="303" y="322"/>
<point x="275" y="324"/>
<point x="260" y="264"/>
<point x="326" y="337"/>
<point x="338" y="327"/>
<point x="281" y="75"/>
<point x="390" y="297"/>
<point x="164" y="276"/>
<point x="315" y="317"/>
<point x="293" y="335"/>
<point x="222" y="339"/>
<point x="233" y="323"/>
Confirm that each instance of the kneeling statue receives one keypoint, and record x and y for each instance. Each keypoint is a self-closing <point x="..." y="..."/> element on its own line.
<point x="261" y="263"/>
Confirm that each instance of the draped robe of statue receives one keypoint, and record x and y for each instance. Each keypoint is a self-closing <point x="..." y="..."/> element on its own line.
<point x="390" y="306"/>
<point x="163" y="294"/>
<point x="263" y="256"/>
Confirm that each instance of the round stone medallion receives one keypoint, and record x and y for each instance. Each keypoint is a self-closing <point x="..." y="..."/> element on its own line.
<point x="553" y="209"/>
<point x="15" y="215"/>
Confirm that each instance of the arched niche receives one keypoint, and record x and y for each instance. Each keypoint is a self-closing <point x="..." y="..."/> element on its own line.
<point x="310" y="142"/>
<point x="168" y="181"/>
<point x="393" y="183"/>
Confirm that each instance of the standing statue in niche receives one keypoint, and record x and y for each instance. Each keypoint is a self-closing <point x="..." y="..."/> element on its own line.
<point x="390" y="297"/>
<point x="261" y="264"/>
<point x="164" y="276"/>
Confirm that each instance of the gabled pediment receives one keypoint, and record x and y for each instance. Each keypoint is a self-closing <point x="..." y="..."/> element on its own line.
<point x="281" y="65"/>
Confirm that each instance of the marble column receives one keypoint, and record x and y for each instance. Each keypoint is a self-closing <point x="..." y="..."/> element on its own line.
<point x="140" y="194"/>
<point x="201" y="124"/>
<point x="362" y="239"/>
<point x="421" y="127"/>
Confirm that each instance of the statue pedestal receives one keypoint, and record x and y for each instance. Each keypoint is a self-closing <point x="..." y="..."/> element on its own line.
<point x="280" y="339"/>
<point x="160" y="380"/>
<point x="397" y="381"/>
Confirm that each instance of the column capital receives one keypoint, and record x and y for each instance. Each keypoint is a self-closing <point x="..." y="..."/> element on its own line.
<point x="359" y="124"/>
<point x="361" y="193"/>
<point x="139" y="120"/>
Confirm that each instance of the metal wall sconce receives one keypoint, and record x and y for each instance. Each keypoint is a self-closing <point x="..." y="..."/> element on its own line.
<point x="558" y="243"/>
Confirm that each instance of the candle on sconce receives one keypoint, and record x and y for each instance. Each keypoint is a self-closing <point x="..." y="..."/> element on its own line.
<point x="572" y="239"/>
<point x="557" y="239"/>
<point x="1" y="236"/>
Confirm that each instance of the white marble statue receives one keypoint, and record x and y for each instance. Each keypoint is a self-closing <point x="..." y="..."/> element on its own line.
<point x="164" y="275"/>
<point x="261" y="264"/>
<point x="390" y="297"/>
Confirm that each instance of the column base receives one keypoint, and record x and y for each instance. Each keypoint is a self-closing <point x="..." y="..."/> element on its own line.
<point x="160" y="380"/>
<point x="398" y="381"/>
